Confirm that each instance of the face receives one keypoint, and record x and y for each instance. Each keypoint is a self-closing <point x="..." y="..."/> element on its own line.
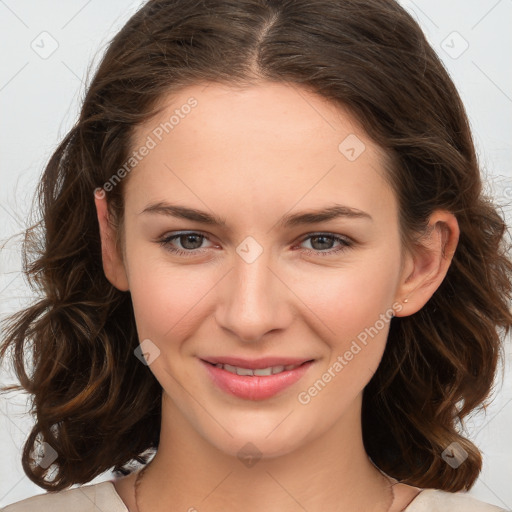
<point x="260" y="280"/>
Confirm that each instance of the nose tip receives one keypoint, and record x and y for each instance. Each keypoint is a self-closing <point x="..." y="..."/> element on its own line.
<point x="253" y="303"/>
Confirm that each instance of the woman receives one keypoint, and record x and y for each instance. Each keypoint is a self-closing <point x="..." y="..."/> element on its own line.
<point x="265" y="259"/>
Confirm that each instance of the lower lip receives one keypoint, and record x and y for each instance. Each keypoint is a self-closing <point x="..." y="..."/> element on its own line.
<point x="255" y="387"/>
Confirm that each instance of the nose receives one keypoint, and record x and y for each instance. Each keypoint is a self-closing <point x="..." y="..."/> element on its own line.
<point x="254" y="300"/>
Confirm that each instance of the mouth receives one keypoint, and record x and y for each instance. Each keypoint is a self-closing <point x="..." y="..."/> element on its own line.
<point x="255" y="379"/>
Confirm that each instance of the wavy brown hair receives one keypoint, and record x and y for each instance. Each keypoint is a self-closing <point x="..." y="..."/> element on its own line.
<point x="93" y="401"/>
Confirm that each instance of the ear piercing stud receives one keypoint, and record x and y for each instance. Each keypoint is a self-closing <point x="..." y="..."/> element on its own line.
<point x="404" y="301"/>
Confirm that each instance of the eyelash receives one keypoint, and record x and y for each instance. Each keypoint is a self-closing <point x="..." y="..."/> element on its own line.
<point x="166" y="243"/>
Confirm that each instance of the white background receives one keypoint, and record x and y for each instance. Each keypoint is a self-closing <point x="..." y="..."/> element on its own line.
<point x="39" y="101"/>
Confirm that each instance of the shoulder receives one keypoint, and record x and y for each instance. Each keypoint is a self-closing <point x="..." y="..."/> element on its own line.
<point x="87" y="498"/>
<point x="433" y="500"/>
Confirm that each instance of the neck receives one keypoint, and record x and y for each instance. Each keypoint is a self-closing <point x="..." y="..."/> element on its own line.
<point x="330" y="473"/>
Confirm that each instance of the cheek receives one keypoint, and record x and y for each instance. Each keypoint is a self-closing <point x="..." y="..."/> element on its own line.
<point x="166" y="298"/>
<point x="354" y="304"/>
<point x="357" y="313"/>
<point x="350" y="299"/>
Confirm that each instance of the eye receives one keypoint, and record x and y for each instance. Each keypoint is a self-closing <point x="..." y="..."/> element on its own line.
<point x="190" y="241"/>
<point x="322" y="242"/>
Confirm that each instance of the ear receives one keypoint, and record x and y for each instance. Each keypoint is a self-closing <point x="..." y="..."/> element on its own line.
<point x="425" y="267"/>
<point x="113" y="264"/>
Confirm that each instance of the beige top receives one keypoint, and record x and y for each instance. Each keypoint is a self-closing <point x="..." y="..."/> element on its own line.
<point x="103" y="497"/>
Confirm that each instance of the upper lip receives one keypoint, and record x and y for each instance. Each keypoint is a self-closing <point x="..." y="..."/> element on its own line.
<point x="254" y="364"/>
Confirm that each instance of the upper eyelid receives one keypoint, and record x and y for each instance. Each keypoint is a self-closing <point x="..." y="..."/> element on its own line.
<point x="177" y="234"/>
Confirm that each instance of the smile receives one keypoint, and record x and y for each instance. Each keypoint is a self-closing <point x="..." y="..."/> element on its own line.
<point x="259" y="383"/>
<point x="260" y="372"/>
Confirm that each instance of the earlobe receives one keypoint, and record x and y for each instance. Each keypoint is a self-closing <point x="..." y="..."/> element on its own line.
<point x="425" y="268"/>
<point x="113" y="264"/>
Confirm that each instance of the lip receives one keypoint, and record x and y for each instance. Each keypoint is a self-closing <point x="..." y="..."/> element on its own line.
<point x="255" y="364"/>
<point x="255" y="387"/>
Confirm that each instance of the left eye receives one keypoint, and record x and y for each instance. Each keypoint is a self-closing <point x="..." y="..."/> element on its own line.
<point x="191" y="243"/>
<point x="344" y="242"/>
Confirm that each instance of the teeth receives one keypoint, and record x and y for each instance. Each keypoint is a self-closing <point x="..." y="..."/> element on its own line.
<point x="261" y="372"/>
<point x="244" y="371"/>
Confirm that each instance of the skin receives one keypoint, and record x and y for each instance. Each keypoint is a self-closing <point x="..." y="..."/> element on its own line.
<point x="252" y="156"/>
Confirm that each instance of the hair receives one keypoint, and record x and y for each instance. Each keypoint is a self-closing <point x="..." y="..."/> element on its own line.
<point x="94" y="403"/>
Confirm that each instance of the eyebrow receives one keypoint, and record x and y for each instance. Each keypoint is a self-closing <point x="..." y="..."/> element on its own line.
<point x="296" y="219"/>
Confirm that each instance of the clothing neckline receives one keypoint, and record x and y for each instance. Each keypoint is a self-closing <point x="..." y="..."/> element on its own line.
<point x="406" y="509"/>
<point x="117" y="495"/>
<point x="414" y="501"/>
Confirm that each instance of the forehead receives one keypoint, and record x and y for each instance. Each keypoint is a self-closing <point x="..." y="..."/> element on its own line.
<point x="275" y="108"/>
<point x="271" y="143"/>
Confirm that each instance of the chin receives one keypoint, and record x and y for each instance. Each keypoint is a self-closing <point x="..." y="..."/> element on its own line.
<point x="260" y="441"/>
<point x="247" y="448"/>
